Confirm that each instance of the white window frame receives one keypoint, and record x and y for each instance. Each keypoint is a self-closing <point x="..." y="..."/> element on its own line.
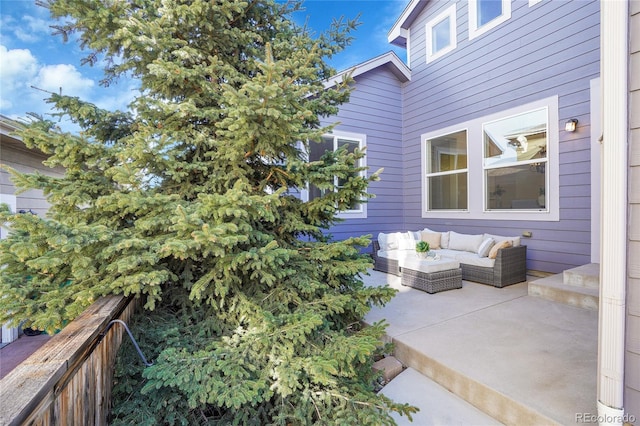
<point x="474" y="30"/>
<point x="450" y="13"/>
<point x="476" y="170"/>
<point x="426" y="174"/>
<point x="360" y="213"/>
<point x="534" y="2"/>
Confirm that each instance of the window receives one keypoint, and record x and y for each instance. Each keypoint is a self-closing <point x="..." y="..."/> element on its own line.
<point x="515" y="162"/>
<point x="485" y="15"/>
<point x="335" y="142"/>
<point x="446" y="172"/>
<point x="503" y="166"/>
<point x="441" y="34"/>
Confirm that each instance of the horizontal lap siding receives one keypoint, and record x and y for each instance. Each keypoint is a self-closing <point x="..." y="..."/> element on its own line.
<point x="375" y="109"/>
<point x="550" y="49"/>
<point x="25" y="161"/>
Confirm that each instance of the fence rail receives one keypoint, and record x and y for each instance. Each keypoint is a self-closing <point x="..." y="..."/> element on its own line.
<point x="68" y="380"/>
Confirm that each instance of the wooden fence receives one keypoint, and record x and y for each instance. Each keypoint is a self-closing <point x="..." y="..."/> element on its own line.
<point x="68" y="380"/>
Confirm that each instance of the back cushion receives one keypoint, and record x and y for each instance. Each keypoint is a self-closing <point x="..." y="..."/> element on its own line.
<point x="433" y="238"/>
<point x="464" y="242"/>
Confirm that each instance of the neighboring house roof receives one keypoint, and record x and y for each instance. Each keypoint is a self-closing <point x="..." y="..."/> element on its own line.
<point x="389" y="60"/>
<point x="8" y="127"/>
<point x="399" y="33"/>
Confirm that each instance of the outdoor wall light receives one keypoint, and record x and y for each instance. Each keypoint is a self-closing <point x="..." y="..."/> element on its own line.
<point x="570" y="125"/>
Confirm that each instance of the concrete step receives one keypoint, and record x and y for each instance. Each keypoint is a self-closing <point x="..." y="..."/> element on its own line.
<point x="495" y="405"/>
<point x="520" y="360"/>
<point x="583" y="276"/>
<point x="554" y="288"/>
<point x="437" y="405"/>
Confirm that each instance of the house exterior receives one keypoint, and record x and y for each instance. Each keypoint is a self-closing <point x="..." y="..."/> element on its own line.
<point x="15" y="154"/>
<point x="510" y="117"/>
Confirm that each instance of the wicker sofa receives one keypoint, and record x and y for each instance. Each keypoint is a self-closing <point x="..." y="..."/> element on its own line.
<point x="508" y="265"/>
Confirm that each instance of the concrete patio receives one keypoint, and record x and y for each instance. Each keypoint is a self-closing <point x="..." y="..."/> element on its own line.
<point x="483" y="355"/>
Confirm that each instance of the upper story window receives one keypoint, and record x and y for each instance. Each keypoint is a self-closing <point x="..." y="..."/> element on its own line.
<point x="485" y="15"/>
<point x="333" y="142"/>
<point x="441" y="34"/>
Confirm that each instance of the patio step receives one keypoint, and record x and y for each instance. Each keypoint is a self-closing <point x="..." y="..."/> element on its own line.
<point x="583" y="276"/>
<point x="575" y="287"/>
<point x="498" y="407"/>
<point x="519" y="360"/>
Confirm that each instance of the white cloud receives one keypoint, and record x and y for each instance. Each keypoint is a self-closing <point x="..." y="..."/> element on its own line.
<point x="65" y="77"/>
<point x="18" y="67"/>
<point x="32" y="29"/>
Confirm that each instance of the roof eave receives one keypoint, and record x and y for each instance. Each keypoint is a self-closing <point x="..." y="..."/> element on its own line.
<point x="399" y="33"/>
<point x="389" y="59"/>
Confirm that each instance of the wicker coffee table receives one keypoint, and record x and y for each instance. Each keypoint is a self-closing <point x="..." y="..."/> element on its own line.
<point x="430" y="275"/>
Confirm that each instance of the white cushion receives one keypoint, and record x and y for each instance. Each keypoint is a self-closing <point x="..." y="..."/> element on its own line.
<point x="474" y="260"/>
<point x="483" y="250"/>
<point x="465" y="242"/>
<point x="466" y="258"/>
<point x="389" y="241"/>
<point x="429" y="266"/>
<point x="382" y="241"/>
<point x="444" y="240"/>
<point x="406" y="241"/>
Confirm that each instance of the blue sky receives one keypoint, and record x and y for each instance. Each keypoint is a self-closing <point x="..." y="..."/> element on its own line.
<point x="32" y="57"/>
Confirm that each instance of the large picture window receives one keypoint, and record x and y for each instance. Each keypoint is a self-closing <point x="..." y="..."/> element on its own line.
<point x="500" y="166"/>
<point x="334" y="142"/>
<point x="441" y="34"/>
<point x="446" y="173"/>
<point x="485" y="15"/>
<point x="515" y="161"/>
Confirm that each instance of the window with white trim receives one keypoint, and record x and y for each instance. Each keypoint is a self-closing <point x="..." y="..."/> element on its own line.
<point x="441" y="34"/>
<point x="333" y="142"/>
<point x="503" y="166"/>
<point x="515" y="161"/>
<point x="484" y="15"/>
<point x="446" y="172"/>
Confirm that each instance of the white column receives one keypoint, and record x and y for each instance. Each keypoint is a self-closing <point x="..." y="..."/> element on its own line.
<point x="613" y="271"/>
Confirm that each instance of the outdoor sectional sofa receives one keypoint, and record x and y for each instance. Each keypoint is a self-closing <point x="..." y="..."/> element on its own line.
<point x="484" y="258"/>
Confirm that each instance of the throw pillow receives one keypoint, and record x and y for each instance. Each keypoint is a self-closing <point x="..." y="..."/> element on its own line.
<point x="405" y="241"/>
<point x="485" y="247"/>
<point x="382" y="241"/>
<point x="433" y="238"/>
<point x="444" y="241"/>
<point x="494" y="250"/>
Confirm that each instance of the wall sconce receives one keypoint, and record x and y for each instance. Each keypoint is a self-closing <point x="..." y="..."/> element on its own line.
<point x="570" y="125"/>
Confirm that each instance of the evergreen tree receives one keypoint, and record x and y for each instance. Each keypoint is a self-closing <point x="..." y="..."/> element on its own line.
<point x="252" y="313"/>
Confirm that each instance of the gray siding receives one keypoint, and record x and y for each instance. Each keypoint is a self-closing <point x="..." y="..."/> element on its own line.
<point x="551" y="49"/>
<point x="632" y="355"/>
<point x="17" y="156"/>
<point x="375" y="109"/>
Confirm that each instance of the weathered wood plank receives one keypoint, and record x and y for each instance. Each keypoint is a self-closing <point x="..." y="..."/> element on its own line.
<point x="64" y="381"/>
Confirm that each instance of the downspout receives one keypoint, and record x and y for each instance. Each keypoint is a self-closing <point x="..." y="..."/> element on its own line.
<point x="613" y="258"/>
